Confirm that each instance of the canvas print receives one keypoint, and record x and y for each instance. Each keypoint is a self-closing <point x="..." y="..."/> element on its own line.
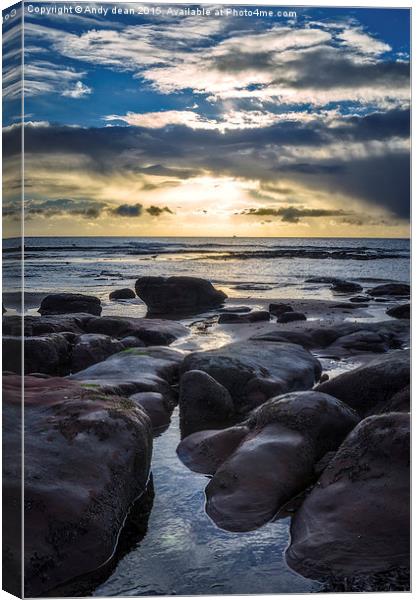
<point x="206" y="299"/>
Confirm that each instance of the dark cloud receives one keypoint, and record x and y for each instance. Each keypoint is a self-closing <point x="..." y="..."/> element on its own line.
<point x="87" y="209"/>
<point x="267" y="155"/>
<point x="127" y="210"/>
<point x="156" y="211"/>
<point x="290" y="214"/>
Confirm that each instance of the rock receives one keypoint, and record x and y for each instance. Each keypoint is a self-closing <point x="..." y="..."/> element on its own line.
<point x="91" y="348"/>
<point x="204" y="403"/>
<point x="49" y="354"/>
<point x="58" y="304"/>
<point x="324" y="377"/>
<point x="151" y="369"/>
<point x="399" y="402"/>
<point x="359" y="299"/>
<point x="288" y="317"/>
<point x="346" y="287"/>
<point x="370" y="387"/>
<point x="178" y="295"/>
<point x="252" y="317"/>
<point x="156" y="406"/>
<point x="254" y="371"/>
<point x="122" y="294"/>
<point x="4" y="310"/>
<point x="87" y="458"/>
<point x="401" y="311"/>
<point x="234" y="309"/>
<point x="152" y="332"/>
<point x="331" y="280"/>
<point x="390" y="289"/>
<point x="358" y="342"/>
<point x="280" y="308"/>
<point x="269" y="459"/>
<point x="357" y="518"/>
<point x="34" y="326"/>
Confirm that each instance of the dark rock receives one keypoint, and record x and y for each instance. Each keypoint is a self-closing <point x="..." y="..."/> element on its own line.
<point x="178" y="295"/>
<point x="399" y="402"/>
<point x="58" y="304"/>
<point x="123" y="294"/>
<point x="390" y="289"/>
<point x="4" y="310"/>
<point x="91" y="348"/>
<point x="278" y="309"/>
<point x="359" y="299"/>
<point x="288" y="317"/>
<point x="292" y="337"/>
<point x="252" y="317"/>
<point x="34" y="326"/>
<point x="357" y="518"/>
<point x="255" y="371"/>
<point x="358" y="342"/>
<point x="346" y="287"/>
<point x="156" y="406"/>
<point x="234" y="309"/>
<point x="370" y="387"/>
<point x="151" y="369"/>
<point x="87" y="458"/>
<point x="49" y="354"/>
<point x="204" y="403"/>
<point x="153" y="332"/>
<point x="331" y="280"/>
<point x="402" y="311"/>
<point x="269" y="459"/>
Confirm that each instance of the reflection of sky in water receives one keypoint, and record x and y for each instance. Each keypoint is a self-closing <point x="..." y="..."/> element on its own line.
<point x="185" y="553"/>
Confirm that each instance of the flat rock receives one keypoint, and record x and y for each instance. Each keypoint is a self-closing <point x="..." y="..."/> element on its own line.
<point x="151" y="369"/>
<point x="346" y="287"/>
<point x="178" y="295"/>
<point x="356" y="520"/>
<point x="254" y="371"/>
<point x="34" y="326"/>
<point x="87" y="458"/>
<point x="368" y="388"/>
<point x="153" y="332"/>
<point x="390" y="289"/>
<point x="288" y="317"/>
<point x="58" y="304"/>
<point x="251" y="317"/>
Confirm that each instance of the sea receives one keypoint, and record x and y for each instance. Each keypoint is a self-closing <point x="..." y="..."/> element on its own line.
<point x="182" y="552"/>
<point x="242" y="267"/>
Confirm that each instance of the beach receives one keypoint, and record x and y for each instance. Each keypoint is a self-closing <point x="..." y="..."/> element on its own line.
<point x="207" y="335"/>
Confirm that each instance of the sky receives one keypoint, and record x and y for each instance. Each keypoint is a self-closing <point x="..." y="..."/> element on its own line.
<point x="210" y="124"/>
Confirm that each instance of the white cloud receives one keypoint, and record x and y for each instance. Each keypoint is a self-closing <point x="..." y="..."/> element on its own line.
<point x="362" y="42"/>
<point x="78" y="91"/>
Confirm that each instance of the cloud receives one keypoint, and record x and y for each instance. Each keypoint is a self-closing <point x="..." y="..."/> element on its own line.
<point x="290" y="214"/>
<point x="127" y="210"/>
<point x="156" y="211"/>
<point x="80" y="90"/>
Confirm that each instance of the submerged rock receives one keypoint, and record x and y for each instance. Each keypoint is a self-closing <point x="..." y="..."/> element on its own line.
<point x="357" y="518"/>
<point x="87" y="458"/>
<point x="178" y="295"/>
<point x="368" y="388"/>
<point x="263" y="463"/>
<point x="58" y="304"/>
<point x="402" y="311"/>
<point x="254" y="371"/>
<point x="122" y="294"/>
<point x="204" y="403"/>
<point x="390" y="289"/>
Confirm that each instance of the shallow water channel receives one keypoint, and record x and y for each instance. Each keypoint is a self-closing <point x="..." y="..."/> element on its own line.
<point x="185" y="553"/>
